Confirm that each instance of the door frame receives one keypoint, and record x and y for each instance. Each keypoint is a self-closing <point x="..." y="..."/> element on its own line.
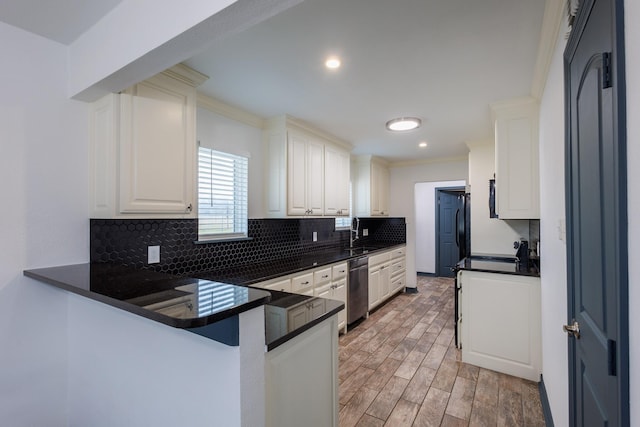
<point x="620" y="142"/>
<point x="459" y="189"/>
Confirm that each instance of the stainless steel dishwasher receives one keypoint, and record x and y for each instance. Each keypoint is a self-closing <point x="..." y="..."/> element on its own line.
<point x="358" y="298"/>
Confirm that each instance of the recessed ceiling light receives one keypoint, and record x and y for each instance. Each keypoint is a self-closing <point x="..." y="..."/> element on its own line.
<point x="332" y="62"/>
<point x="404" y="123"/>
<point x="422" y="144"/>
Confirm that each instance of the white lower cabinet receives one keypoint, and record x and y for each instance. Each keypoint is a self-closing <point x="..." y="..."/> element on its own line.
<point x="326" y="282"/>
<point x="301" y="378"/>
<point x="501" y="323"/>
<point x="386" y="275"/>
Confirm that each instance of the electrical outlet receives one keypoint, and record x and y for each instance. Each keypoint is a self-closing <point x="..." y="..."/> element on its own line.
<point x="153" y="254"/>
<point x="315" y="236"/>
<point x="365" y="232"/>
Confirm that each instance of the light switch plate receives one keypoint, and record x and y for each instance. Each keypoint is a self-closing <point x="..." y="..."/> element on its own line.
<point x="153" y="254"/>
<point x="315" y="236"/>
<point x="365" y="232"/>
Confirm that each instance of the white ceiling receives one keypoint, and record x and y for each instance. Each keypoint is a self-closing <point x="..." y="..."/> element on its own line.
<point x="59" y="20"/>
<point x="444" y="61"/>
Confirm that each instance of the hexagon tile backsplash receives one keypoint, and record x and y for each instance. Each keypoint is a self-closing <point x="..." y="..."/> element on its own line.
<point x="125" y="241"/>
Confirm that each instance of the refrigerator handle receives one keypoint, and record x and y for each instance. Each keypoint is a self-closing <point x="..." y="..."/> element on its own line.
<point x="457" y="228"/>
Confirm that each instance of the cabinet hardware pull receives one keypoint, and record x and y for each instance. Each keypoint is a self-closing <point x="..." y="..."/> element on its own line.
<point x="189" y="208"/>
<point x="325" y="276"/>
<point x="305" y="283"/>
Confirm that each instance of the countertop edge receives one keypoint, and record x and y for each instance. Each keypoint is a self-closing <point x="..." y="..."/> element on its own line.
<point x="283" y="339"/>
<point x="132" y="308"/>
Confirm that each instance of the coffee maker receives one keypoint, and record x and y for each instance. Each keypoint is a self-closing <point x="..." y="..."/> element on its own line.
<point x="522" y="254"/>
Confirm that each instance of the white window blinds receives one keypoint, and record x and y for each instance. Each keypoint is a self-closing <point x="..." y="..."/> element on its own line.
<point x="222" y="195"/>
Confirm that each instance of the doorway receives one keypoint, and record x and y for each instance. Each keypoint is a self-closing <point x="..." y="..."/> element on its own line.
<point x="452" y="232"/>
<point x="597" y="269"/>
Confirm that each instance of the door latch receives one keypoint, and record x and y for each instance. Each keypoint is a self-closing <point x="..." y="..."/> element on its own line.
<point x="573" y="329"/>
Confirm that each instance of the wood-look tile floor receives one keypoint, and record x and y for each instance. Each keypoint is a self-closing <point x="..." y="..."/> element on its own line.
<point x="400" y="367"/>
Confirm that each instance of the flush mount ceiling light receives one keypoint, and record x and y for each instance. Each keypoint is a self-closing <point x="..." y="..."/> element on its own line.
<point x="332" y="63"/>
<point x="422" y="145"/>
<point x="404" y="123"/>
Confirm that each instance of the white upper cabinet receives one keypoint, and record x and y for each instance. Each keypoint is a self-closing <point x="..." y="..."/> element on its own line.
<point x="296" y="170"/>
<point x="337" y="167"/>
<point x="517" y="159"/>
<point x="143" y="148"/>
<point x="371" y="186"/>
<point x="305" y="178"/>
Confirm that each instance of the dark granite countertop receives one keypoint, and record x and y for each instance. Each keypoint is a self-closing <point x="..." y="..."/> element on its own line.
<point x="175" y="301"/>
<point x="496" y="263"/>
<point x="208" y="304"/>
<point x="260" y="272"/>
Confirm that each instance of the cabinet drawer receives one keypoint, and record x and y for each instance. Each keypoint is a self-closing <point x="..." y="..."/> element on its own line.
<point x="339" y="271"/>
<point x="397" y="283"/>
<point x="280" y="285"/>
<point x="379" y="258"/>
<point x="302" y="283"/>
<point x="398" y="267"/>
<point x="398" y="252"/>
<point x="322" y="276"/>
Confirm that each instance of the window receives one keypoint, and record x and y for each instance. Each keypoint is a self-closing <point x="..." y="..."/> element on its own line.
<point x="344" y="222"/>
<point x="222" y="195"/>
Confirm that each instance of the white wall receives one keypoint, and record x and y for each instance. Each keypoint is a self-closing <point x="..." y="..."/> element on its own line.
<point x="489" y="235"/>
<point x="632" y="37"/>
<point x="155" y="374"/>
<point x="553" y="249"/>
<point x="425" y="203"/>
<point x="224" y="134"/>
<point x="43" y="222"/>
<point x="402" y="197"/>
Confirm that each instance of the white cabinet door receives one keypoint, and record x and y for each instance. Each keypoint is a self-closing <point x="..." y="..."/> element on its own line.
<point x="374" y="287"/>
<point x="517" y="159"/>
<point x="370" y="187"/>
<point x="143" y="149"/>
<point x="305" y="178"/>
<point x="336" y="177"/>
<point x="315" y="178"/>
<point x="296" y="174"/>
<point x="157" y="147"/>
<point x="385" y="281"/>
<point x="501" y="323"/>
<point x="340" y="294"/>
<point x="383" y="190"/>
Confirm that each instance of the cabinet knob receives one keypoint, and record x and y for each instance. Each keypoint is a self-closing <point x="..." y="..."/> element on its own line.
<point x="189" y="208"/>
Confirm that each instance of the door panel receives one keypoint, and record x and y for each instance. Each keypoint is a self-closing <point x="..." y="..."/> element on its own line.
<point x="450" y="213"/>
<point x="596" y="209"/>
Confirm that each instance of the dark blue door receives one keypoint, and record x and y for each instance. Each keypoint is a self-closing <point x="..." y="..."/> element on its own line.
<point x="596" y="218"/>
<point x="449" y="217"/>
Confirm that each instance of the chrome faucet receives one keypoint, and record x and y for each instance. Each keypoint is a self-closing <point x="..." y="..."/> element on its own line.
<point x="355" y="220"/>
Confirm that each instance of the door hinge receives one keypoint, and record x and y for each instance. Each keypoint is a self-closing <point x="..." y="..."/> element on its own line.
<point x="611" y="362"/>
<point x="606" y="70"/>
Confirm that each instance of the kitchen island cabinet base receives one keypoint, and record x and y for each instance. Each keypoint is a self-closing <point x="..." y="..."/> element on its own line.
<point x="301" y="379"/>
<point x="501" y="323"/>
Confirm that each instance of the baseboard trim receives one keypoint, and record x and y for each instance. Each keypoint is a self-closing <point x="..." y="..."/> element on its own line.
<point x="409" y="290"/>
<point x="544" y="399"/>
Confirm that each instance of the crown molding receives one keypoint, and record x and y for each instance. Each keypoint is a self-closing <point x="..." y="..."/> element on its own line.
<point x="554" y="13"/>
<point x="228" y="111"/>
<point x="293" y="122"/>
<point x="186" y="75"/>
<point x="418" y="162"/>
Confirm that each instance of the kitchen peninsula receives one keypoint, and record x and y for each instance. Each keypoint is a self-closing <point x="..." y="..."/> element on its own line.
<point x="222" y="305"/>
